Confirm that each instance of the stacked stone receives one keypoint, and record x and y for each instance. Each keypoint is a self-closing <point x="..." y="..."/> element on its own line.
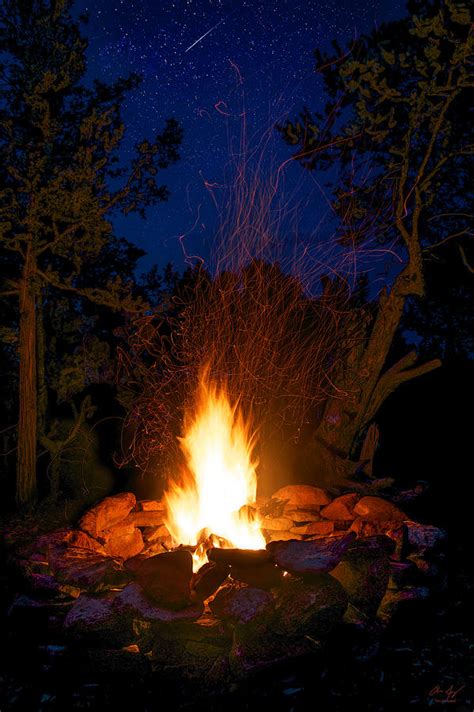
<point x="108" y="588"/>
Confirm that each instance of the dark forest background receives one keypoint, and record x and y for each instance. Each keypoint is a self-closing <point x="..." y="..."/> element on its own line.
<point x="71" y="295"/>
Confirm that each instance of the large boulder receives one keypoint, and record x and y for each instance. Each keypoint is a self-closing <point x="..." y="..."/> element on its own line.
<point x="242" y="605"/>
<point x="94" y="620"/>
<point x="424" y="538"/>
<point x="302" y="496"/>
<point x="364" y="572"/>
<point x="309" y="609"/>
<point x="378" y="508"/>
<point x="341" y="509"/>
<point x="131" y="602"/>
<point x="86" y="569"/>
<point x="310" y="557"/>
<point x="107" y="513"/>
<point x="166" y="578"/>
<point x="123" y="541"/>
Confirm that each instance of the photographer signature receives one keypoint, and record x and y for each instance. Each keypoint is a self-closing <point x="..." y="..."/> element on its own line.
<point x="445" y="695"/>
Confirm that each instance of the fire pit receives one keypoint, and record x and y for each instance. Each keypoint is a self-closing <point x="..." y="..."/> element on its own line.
<point x="118" y="587"/>
<point x="211" y="579"/>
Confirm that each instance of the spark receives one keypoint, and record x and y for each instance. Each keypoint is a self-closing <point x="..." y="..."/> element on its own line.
<point x="205" y="34"/>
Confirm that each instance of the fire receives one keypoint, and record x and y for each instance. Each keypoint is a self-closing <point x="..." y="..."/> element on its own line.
<point x="218" y="480"/>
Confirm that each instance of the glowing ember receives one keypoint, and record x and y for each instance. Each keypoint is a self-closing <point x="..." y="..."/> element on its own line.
<point x="208" y="506"/>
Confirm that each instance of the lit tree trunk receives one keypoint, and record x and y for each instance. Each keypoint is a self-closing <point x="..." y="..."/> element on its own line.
<point x="26" y="458"/>
<point x="364" y="385"/>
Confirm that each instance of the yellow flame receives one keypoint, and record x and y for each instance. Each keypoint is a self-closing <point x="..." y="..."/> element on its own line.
<point x="219" y="478"/>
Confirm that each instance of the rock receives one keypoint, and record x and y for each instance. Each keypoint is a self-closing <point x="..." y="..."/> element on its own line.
<point x="157" y="547"/>
<point x="207" y="580"/>
<point x="309" y="608"/>
<point x="123" y="541"/>
<point x="151" y="505"/>
<point x="238" y="557"/>
<point x="93" y="620"/>
<point x="265" y="576"/>
<point x="107" y="513"/>
<point x="127" y="661"/>
<point x="146" y="519"/>
<point x="396" y="530"/>
<point x="283" y="536"/>
<point x="256" y="648"/>
<point x="86" y="569"/>
<point x="396" y="602"/>
<point x="378" y="508"/>
<point x="320" y="528"/>
<point x="166" y="578"/>
<point x="46" y="586"/>
<point x="85" y="541"/>
<point x="153" y="534"/>
<point x="43" y="542"/>
<point x="302" y="515"/>
<point x="364" y="573"/>
<point x="302" y="496"/>
<point x="424" y="538"/>
<point x="242" y="605"/>
<point x="207" y="628"/>
<point x="132" y="602"/>
<point x="401" y="573"/>
<point x="308" y="557"/>
<point x="341" y="508"/>
<point x="276" y="524"/>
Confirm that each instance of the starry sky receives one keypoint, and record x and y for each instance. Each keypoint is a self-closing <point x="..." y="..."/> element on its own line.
<point x="203" y="62"/>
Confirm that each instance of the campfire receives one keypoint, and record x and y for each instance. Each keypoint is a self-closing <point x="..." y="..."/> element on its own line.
<point x="212" y="502"/>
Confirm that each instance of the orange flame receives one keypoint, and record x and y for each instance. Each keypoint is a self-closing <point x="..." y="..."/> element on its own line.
<point x="219" y="478"/>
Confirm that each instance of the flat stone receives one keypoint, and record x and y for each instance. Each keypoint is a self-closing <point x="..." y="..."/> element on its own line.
<point x="242" y="605"/>
<point x="86" y="569"/>
<point x="283" y="536"/>
<point x="93" y="619"/>
<point x="313" y="609"/>
<point x="370" y="547"/>
<point x="85" y="541"/>
<point x="153" y="518"/>
<point x="303" y="496"/>
<point x="166" y="578"/>
<point x="265" y="576"/>
<point x="151" y="505"/>
<point x="341" y="508"/>
<point x="308" y="557"/>
<point x="152" y="534"/>
<point x="207" y="580"/>
<point x="107" y="513"/>
<point x="303" y="515"/>
<point x="132" y="602"/>
<point x="238" y="557"/>
<point x="378" y="508"/>
<point x="321" y="528"/>
<point x="276" y="524"/>
<point x="123" y="541"/>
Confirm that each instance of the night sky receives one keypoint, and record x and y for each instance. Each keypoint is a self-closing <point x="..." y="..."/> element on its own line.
<point x="268" y="44"/>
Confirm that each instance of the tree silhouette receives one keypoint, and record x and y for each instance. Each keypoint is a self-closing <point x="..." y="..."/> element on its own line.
<point x="61" y="179"/>
<point x="393" y="127"/>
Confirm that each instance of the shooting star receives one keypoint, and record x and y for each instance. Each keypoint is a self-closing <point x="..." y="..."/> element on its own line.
<point x="206" y="33"/>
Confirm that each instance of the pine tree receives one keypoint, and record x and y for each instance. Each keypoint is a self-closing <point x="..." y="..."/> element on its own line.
<point x="61" y="180"/>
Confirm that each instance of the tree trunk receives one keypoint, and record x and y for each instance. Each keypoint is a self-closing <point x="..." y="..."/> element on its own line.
<point x="26" y="459"/>
<point x="364" y="386"/>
